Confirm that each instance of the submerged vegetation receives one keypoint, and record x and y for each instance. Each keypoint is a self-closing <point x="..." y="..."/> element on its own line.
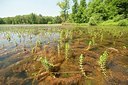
<point x="102" y="62"/>
<point x="75" y="55"/>
<point x="87" y="44"/>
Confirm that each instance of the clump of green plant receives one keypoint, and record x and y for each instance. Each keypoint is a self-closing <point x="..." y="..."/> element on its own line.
<point x="67" y="51"/>
<point x="102" y="62"/>
<point x="101" y="37"/>
<point x="123" y="22"/>
<point x="33" y="50"/>
<point x="38" y="43"/>
<point x="8" y="37"/>
<point x="89" y="45"/>
<point x="48" y="66"/>
<point x="58" y="50"/>
<point x="124" y="47"/>
<point x="93" y="40"/>
<point x="61" y="38"/>
<point x="81" y="64"/>
<point x="118" y="18"/>
<point x="92" y="21"/>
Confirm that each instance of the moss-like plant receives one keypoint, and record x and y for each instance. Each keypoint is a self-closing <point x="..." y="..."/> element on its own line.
<point x="81" y="64"/>
<point x="58" y="50"/>
<point x="102" y="62"/>
<point x="93" y="40"/>
<point x="67" y="51"/>
<point x="61" y="38"/>
<point x="8" y="37"/>
<point x="101" y="37"/>
<point x="38" y="43"/>
<point x="89" y="45"/>
<point x="46" y="64"/>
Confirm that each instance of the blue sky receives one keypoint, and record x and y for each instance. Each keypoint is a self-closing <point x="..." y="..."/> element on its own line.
<point x="10" y="8"/>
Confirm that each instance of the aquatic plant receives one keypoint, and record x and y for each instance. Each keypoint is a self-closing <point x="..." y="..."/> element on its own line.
<point x="81" y="64"/>
<point x="66" y="51"/>
<point x="124" y="47"/>
<point x="61" y="38"/>
<point x="89" y="45"/>
<point x="101" y="37"/>
<point x="58" y="50"/>
<point x="33" y="50"/>
<point x="71" y="34"/>
<point x="38" y="43"/>
<point x="8" y="37"/>
<point x="93" y="40"/>
<point x="48" y="66"/>
<point x="102" y="62"/>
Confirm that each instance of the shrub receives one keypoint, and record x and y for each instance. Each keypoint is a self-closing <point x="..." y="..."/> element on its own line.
<point x="92" y="21"/>
<point x="123" y="22"/>
<point x="109" y="23"/>
<point x="118" y="18"/>
<point x="49" y="22"/>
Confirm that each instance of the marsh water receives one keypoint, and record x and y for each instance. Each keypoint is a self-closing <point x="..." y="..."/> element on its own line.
<point x="17" y="42"/>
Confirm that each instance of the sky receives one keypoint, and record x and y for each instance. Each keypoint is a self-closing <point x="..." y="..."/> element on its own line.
<point x="10" y="8"/>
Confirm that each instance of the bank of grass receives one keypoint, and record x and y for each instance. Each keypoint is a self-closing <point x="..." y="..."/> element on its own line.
<point x="123" y="22"/>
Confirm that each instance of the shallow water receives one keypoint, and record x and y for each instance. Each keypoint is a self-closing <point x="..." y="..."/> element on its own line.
<point x="23" y="39"/>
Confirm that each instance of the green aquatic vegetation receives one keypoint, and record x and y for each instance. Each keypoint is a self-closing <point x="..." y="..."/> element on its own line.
<point x="66" y="34"/>
<point x="93" y="40"/>
<point x="8" y="37"/>
<point x="102" y="62"/>
<point x="38" y="43"/>
<point x="101" y="37"/>
<point x="67" y="47"/>
<point x="61" y="38"/>
<point x="16" y="44"/>
<point x="48" y="66"/>
<point x="71" y="34"/>
<point x="19" y="35"/>
<point x="81" y="64"/>
<point x="58" y="50"/>
<point x="33" y="50"/>
<point x="89" y="45"/>
<point x="124" y="47"/>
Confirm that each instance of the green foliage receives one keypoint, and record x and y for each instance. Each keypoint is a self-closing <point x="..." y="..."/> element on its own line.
<point x="92" y="21"/>
<point x="48" y="66"/>
<point x="81" y="64"/>
<point x="109" y="23"/>
<point x="94" y="12"/>
<point x="79" y="11"/>
<point x="122" y="7"/>
<point x="102" y="62"/>
<point x="89" y="45"/>
<point x="1" y="21"/>
<point x="98" y="11"/>
<point x="67" y="51"/>
<point x="123" y="22"/>
<point x="8" y="37"/>
<point x="118" y="18"/>
<point x="64" y="5"/>
<point x="38" y="43"/>
<point x="58" y="50"/>
<point x="30" y="19"/>
<point x="74" y="10"/>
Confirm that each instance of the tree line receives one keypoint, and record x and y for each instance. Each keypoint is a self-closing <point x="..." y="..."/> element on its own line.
<point x="31" y="19"/>
<point x="93" y="12"/>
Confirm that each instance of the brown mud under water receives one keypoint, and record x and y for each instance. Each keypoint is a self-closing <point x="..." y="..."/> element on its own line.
<point x="30" y="70"/>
